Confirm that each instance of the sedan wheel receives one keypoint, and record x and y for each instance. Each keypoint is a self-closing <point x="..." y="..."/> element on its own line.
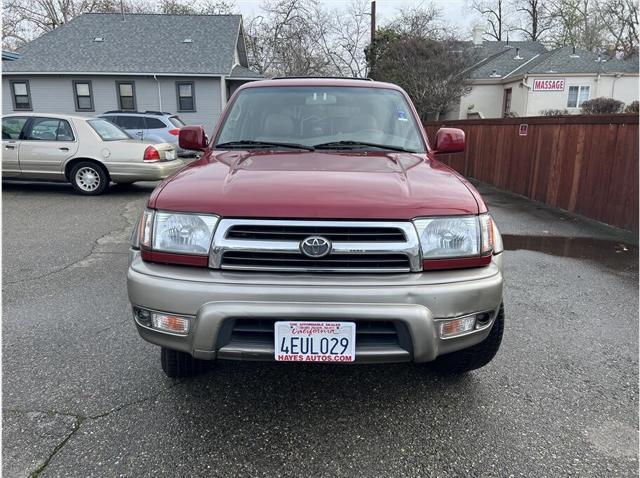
<point x="89" y="178"/>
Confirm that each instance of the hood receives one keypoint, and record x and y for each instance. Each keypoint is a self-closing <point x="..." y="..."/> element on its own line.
<point x="328" y="185"/>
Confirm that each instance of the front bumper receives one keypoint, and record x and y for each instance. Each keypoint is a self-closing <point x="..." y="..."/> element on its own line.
<point x="138" y="171"/>
<point x="414" y="301"/>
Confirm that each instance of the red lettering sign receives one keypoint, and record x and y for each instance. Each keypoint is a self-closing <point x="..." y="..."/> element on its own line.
<point x="551" y="84"/>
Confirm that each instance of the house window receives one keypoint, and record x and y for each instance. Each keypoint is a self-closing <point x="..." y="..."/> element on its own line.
<point x="186" y="96"/>
<point x="126" y="95"/>
<point x="577" y="96"/>
<point x="21" y="95"/>
<point x="84" y="95"/>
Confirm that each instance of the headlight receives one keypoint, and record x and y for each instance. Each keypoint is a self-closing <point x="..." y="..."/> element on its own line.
<point x="458" y="236"/>
<point x="177" y="232"/>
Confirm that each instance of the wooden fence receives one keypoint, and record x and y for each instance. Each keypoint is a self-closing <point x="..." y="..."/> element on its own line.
<point x="584" y="164"/>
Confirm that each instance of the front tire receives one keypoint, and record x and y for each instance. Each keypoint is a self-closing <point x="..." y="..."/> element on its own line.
<point x="179" y="364"/>
<point x="89" y="178"/>
<point x="476" y="356"/>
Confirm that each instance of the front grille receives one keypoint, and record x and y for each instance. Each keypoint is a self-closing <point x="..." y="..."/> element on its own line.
<point x="357" y="247"/>
<point x="269" y="232"/>
<point x="295" y="261"/>
<point x="260" y="332"/>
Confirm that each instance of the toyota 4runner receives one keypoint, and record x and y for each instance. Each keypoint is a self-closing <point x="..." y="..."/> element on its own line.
<point x="318" y="226"/>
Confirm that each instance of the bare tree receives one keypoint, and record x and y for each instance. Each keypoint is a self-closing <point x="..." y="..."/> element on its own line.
<point x="304" y="38"/>
<point x="535" y="21"/>
<point x="576" y="23"/>
<point x="194" y="7"/>
<point x="282" y="40"/>
<point x="422" y="21"/>
<point x="496" y="13"/>
<point x="343" y="36"/>
<point x="620" y="20"/>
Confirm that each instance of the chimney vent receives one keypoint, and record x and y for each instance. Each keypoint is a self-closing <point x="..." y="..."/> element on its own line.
<point x="517" y="57"/>
<point x="574" y="54"/>
<point x="494" y="74"/>
<point x="478" y="32"/>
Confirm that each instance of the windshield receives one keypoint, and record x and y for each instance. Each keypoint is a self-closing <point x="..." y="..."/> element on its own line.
<point x="107" y="131"/>
<point x="318" y="115"/>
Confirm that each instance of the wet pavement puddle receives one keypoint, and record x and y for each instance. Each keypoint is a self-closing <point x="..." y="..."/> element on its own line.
<point x="616" y="255"/>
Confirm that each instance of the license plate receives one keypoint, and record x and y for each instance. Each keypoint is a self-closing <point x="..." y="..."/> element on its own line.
<point x="170" y="155"/>
<point x="315" y="341"/>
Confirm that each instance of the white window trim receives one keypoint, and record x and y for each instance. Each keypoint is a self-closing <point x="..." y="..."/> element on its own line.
<point x="580" y="89"/>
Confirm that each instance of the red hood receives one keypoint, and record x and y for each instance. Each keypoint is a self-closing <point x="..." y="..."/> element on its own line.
<point x="316" y="185"/>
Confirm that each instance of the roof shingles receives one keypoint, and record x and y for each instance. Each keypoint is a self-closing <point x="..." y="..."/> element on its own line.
<point x="142" y="43"/>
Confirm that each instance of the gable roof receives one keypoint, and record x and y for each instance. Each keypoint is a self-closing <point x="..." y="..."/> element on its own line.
<point x="142" y="43"/>
<point x="504" y="63"/>
<point x="563" y="60"/>
<point x="559" y="61"/>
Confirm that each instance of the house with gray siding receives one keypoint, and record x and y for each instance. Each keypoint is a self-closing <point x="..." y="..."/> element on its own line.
<point x="183" y="64"/>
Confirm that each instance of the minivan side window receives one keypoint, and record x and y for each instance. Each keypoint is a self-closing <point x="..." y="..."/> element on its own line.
<point x="50" y="129"/>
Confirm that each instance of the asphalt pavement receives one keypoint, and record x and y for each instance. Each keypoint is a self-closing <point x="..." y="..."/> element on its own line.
<point x="84" y="396"/>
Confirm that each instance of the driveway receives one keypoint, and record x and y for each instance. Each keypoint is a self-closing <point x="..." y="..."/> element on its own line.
<point x="83" y="395"/>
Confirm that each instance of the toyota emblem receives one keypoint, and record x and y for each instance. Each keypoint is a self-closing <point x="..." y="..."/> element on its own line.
<point x="315" y="247"/>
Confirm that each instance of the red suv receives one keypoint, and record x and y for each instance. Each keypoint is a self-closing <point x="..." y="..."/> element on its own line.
<point x="318" y="226"/>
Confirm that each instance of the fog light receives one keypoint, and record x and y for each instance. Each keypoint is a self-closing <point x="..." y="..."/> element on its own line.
<point x="170" y="323"/>
<point x="142" y="316"/>
<point x="450" y="328"/>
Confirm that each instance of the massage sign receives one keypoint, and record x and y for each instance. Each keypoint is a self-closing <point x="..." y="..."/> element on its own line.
<point x="548" y="84"/>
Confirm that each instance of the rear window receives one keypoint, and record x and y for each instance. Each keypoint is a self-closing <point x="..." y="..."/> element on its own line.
<point x="154" y="123"/>
<point x="107" y="131"/>
<point x="176" y="121"/>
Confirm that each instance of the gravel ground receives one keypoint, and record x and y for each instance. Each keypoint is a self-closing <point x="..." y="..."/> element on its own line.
<point x="83" y="395"/>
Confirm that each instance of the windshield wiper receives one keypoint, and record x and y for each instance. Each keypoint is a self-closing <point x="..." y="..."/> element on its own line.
<point x="257" y="144"/>
<point x="358" y="144"/>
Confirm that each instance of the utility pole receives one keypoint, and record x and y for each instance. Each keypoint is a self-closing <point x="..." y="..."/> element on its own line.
<point x="373" y="21"/>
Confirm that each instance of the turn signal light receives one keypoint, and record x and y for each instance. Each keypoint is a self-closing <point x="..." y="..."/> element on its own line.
<point x="170" y="323"/>
<point x="450" y="328"/>
<point x="151" y="155"/>
<point x="462" y="325"/>
<point x="175" y="324"/>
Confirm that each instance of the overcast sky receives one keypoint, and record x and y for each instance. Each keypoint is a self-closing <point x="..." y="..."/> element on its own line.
<point x="456" y="12"/>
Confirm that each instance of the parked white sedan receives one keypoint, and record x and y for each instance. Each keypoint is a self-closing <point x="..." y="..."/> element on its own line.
<point x="87" y="152"/>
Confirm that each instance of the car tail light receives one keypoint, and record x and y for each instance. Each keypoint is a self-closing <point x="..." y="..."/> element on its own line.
<point x="151" y="155"/>
<point x="174" y="131"/>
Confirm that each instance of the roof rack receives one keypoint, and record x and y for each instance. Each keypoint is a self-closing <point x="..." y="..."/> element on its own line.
<point x="156" y="113"/>
<point x="159" y="113"/>
<point x="320" y="78"/>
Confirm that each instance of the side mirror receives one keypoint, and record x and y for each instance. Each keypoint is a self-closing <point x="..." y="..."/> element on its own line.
<point x="192" y="138"/>
<point x="449" y="140"/>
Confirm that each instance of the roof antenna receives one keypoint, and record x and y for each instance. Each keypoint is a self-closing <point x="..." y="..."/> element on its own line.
<point x="122" y="9"/>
